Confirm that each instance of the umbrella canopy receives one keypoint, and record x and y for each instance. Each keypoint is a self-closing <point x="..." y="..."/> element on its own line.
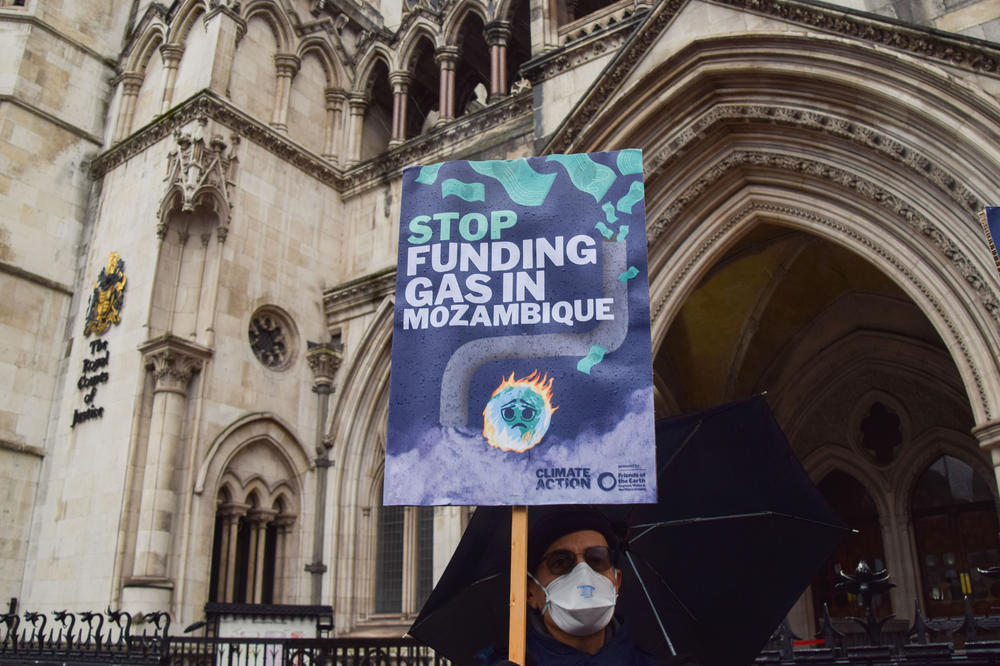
<point x="710" y="569"/>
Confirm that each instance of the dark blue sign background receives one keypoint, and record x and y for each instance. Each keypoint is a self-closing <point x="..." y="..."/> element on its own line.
<point x="455" y="340"/>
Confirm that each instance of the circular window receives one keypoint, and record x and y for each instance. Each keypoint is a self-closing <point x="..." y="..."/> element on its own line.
<point x="272" y="337"/>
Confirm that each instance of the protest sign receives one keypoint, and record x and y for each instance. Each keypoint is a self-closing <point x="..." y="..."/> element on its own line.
<point x="521" y="362"/>
<point x="990" y="218"/>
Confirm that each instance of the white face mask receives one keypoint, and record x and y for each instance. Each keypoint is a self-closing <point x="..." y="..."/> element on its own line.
<point x="580" y="602"/>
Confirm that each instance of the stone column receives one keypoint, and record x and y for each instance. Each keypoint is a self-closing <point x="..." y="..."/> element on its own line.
<point x="497" y="37"/>
<point x="172" y="362"/>
<point x="225" y="29"/>
<point x="358" y="105"/>
<point x="258" y="519"/>
<point x="171" y="54"/>
<point x="287" y="66"/>
<point x="446" y="57"/>
<point x="230" y="515"/>
<point x="544" y="25"/>
<point x="324" y="359"/>
<point x="335" y="99"/>
<point x="988" y="435"/>
<point x="283" y="528"/>
<point x="130" y="83"/>
<point x="400" y="82"/>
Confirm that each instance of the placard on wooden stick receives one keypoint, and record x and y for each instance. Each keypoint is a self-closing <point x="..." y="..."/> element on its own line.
<point x="518" y="583"/>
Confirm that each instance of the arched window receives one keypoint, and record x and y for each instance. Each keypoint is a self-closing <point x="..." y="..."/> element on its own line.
<point x="254" y="518"/>
<point x="404" y="561"/>
<point x="850" y="499"/>
<point x="955" y="526"/>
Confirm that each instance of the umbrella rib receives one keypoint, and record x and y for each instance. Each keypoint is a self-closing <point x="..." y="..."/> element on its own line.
<point x="680" y="448"/>
<point x="669" y="462"/>
<point x="708" y="519"/>
<point x="649" y="599"/>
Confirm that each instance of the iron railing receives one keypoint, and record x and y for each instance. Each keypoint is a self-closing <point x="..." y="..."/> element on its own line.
<point x="115" y="637"/>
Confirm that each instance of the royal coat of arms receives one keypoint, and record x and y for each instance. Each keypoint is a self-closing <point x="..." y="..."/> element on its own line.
<point x="107" y="297"/>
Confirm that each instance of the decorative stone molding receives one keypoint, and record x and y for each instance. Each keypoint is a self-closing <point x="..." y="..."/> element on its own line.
<point x="174" y="362"/>
<point x="922" y="42"/>
<point x="199" y="170"/>
<point x="988" y="435"/>
<point x="721" y="231"/>
<point x="273" y="337"/>
<point x="826" y="123"/>
<point x="952" y="49"/>
<point x="358" y="296"/>
<point x="512" y="115"/>
<point x="849" y="180"/>
<point x="581" y="51"/>
<point x="324" y="359"/>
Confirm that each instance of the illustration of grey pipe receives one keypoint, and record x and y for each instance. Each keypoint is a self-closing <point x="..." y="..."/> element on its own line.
<point x="609" y="334"/>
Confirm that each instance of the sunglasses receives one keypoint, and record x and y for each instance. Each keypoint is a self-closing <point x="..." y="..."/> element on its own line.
<point x="561" y="561"/>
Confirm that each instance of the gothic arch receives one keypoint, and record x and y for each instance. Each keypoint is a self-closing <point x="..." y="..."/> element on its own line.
<point x="453" y="22"/>
<point x="829" y="459"/>
<point x="358" y="432"/>
<point x="184" y="20"/>
<point x="275" y="18"/>
<point x="411" y="41"/>
<point x="251" y="427"/>
<point x="928" y="447"/>
<point x="918" y="363"/>
<point x="738" y="147"/>
<point x="503" y="9"/>
<point x="326" y="57"/>
<point x="377" y="53"/>
<point x="138" y="59"/>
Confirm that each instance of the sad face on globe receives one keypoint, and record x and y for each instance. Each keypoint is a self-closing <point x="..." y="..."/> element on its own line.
<point x="519" y="412"/>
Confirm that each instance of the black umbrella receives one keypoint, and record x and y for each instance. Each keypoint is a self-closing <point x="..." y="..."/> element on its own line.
<point x="738" y="533"/>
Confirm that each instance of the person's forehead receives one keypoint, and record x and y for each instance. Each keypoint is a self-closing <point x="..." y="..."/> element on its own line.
<point x="577" y="541"/>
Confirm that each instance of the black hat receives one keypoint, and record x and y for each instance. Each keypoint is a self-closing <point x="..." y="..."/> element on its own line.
<point x="557" y="522"/>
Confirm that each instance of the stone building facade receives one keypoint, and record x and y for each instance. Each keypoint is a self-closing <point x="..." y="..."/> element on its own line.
<point x="197" y="243"/>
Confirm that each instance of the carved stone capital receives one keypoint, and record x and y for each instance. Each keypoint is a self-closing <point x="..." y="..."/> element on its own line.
<point x="286" y="64"/>
<point x="316" y="568"/>
<point x="334" y="97"/>
<point x="358" y="104"/>
<point x="324" y="359"/>
<point x="173" y="362"/>
<point x="284" y="521"/>
<point x="171" y="54"/>
<point x="400" y="81"/>
<point x="131" y="82"/>
<point x="232" y="510"/>
<point x="261" y="517"/>
<point x="497" y="33"/>
<point x="447" y="55"/>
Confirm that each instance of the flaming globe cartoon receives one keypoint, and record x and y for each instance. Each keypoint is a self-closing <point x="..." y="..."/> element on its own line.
<point x="519" y="412"/>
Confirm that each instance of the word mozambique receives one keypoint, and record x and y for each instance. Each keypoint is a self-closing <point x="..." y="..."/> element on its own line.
<point x="510" y="314"/>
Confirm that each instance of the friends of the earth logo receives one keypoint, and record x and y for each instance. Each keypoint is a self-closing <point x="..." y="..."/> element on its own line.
<point x="519" y="412"/>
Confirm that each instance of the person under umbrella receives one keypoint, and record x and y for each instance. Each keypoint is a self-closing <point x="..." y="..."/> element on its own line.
<point x="572" y="591"/>
<point x="737" y="533"/>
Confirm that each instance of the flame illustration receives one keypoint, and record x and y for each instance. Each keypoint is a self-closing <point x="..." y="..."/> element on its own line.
<point x="495" y="430"/>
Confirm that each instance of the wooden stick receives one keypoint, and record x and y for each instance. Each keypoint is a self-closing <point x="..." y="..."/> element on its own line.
<point x="518" y="582"/>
